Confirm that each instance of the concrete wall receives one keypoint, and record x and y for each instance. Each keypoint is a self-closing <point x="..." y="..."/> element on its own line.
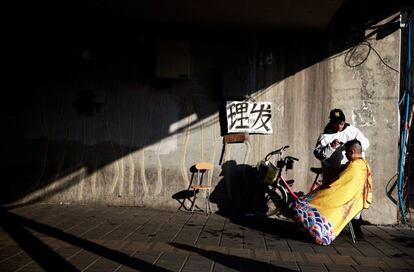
<point x="98" y="128"/>
<point x="369" y="95"/>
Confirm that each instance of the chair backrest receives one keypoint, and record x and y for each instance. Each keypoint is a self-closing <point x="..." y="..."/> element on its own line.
<point x="204" y="166"/>
<point x="201" y="168"/>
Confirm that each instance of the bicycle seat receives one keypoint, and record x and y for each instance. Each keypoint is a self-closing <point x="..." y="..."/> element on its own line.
<point x="316" y="170"/>
<point x="290" y="181"/>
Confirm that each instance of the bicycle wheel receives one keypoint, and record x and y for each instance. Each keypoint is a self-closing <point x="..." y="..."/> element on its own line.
<point x="267" y="200"/>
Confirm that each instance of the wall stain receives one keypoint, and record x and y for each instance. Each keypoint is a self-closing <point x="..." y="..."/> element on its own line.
<point x="184" y="170"/>
<point x="215" y="130"/>
<point x="131" y="183"/>
<point x="202" y="141"/>
<point x="159" y="184"/>
<point x="82" y="175"/>
<point x="115" y="165"/>
<point x="143" y="176"/>
<point x="121" y="179"/>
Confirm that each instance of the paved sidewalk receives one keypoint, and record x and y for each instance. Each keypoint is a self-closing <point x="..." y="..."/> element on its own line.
<point x="85" y="238"/>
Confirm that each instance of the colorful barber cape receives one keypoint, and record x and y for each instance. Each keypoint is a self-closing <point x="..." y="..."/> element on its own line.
<point x="328" y="209"/>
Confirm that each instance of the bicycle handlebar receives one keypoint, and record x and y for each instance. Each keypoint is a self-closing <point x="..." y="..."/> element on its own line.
<point x="278" y="151"/>
<point x="285" y="147"/>
<point x="292" y="158"/>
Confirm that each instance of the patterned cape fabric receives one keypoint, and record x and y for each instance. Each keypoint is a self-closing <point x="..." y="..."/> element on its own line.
<point x="328" y="209"/>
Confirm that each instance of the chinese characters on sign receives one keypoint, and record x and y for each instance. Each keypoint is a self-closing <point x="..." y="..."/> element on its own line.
<point x="251" y="117"/>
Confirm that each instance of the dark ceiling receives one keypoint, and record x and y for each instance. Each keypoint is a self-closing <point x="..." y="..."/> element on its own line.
<point x="118" y="15"/>
<point x="298" y="14"/>
<point x="303" y="14"/>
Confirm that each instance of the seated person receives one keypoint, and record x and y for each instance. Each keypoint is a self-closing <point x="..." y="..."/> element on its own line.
<point x="327" y="210"/>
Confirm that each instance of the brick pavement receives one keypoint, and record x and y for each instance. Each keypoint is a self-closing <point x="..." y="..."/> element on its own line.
<point x="45" y="237"/>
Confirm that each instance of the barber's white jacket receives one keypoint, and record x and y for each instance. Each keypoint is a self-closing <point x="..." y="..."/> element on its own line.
<point x="333" y="160"/>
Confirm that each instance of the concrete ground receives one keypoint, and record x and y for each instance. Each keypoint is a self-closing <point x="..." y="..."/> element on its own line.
<point x="85" y="238"/>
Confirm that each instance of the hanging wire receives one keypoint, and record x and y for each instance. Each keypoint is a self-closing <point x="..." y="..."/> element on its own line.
<point x="408" y="159"/>
<point x="350" y="54"/>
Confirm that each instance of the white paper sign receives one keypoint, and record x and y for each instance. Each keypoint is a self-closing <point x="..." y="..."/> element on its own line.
<point x="247" y="116"/>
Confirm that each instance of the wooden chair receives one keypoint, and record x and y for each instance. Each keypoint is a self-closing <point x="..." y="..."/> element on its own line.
<point x="202" y="168"/>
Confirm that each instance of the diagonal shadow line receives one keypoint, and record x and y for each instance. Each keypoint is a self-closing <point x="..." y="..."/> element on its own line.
<point x="15" y="226"/>
<point x="62" y="186"/>
<point x="230" y="261"/>
<point x="390" y="189"/>
<point x="42" y="254"/>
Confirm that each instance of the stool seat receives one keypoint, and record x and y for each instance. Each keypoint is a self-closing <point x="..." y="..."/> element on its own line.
<point x="201" y="187"/>
<point x="316" y="170"/>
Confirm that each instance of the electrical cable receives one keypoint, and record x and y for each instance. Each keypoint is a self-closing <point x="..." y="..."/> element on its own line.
<point x="406" y="183"/>
<point x="349" y="55"/>
<point x="382" y="60"/>
<point x="353" y="54"/>
<point x="403" y="141"/>
<point x="408" y="172"/>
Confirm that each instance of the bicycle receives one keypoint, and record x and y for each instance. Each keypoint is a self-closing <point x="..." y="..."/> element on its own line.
<point x="274" y="194"/>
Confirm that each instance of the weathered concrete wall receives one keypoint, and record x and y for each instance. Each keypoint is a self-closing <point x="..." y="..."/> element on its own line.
<point x="369" y="95"/>
<point x="109" y="133"/>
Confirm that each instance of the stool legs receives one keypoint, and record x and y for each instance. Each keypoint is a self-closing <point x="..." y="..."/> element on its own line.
<point x="351" y="229"/>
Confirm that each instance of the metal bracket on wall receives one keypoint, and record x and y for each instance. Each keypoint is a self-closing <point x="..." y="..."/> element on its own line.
<point x="232" y="138"/>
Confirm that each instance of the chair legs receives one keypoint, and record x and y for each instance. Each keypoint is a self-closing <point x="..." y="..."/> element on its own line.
<point x="194" y="200"/>
<point x="208" y="209"/>
<point x="202" y="168"/>
<point x="206" y="199"/>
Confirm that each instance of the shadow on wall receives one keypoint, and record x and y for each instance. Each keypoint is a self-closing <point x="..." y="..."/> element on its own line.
<point x="185" y="198"/>
<point x="61" y="168"/>
<point x="232" y="192"/>
<point x="53" y="130"/>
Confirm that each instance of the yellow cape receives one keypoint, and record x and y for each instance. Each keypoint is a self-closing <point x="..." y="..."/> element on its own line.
<point x="345" y="197"/>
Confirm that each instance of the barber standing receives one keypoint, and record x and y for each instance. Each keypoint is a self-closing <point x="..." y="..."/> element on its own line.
<point x="330" y="150"/>
<point x="329" y="147"/>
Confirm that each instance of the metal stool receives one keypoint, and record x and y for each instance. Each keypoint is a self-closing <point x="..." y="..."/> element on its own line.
<point x="351" y="229"/>
<point x="202" y="167"/>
